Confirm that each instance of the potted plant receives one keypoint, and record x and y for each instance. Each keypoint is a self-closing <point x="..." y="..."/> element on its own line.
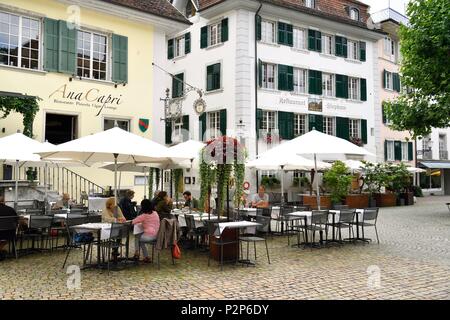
<point x="378" y="177"/>
<point x="400" y="184"/>
<point x="338" y="180"/>
<point x="270" y="182"/>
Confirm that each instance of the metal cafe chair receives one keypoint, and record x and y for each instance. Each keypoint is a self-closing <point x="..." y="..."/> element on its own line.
<point x="114" y="243"/>
<point x="74" y="241"/>
<point x="346" y="219"/>
<point x="38" y="230"/>
<point x="8" y="230"/>
<point x="319" y="220"/>
<point x="369" y="219"/>
<point x="193" y="231"/>
<point x="259" y="235"/>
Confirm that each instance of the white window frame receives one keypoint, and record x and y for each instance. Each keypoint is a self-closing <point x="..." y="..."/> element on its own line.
<point x="351" y="128"/>
<point x="299" y="36"/>
<point x="268" y="118"/>
<point x="405" y="151"/>
<point x="353" y="49"/>
<point x="265" y="76"/>
<point x="310" y="3"/>
<point x="177" y="130"/>
<point x="390" y="48"/>
<point x="179" y="46"/>
<point x="300" y="124"/>
<point x="352" y="13"/>
<point x="20" y="40"/>
<point x="213" y="124"/>
<point x="140" y="180"/>
<point x="300" y="80"/>
<point x="327" y="121"/>
<point x="265" y="36"/>
<point x="328" y="44"/>
<point x="390" y="150"/>
<point x="389" y="81"/>
<point x="128" y="121"/>
<point x="353" y="88"/>
<point x="328" y="87"/>
<point x="215" y="34"/>
<point x="91" y="54"/>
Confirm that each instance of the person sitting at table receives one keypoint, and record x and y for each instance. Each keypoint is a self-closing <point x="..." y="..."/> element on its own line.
<point x="190" y="202"/>
<point x="63" y="203"/>
<point x="5" y="211"/>
<point x="261" y="199"/>
<point x="155" y="197"/>
<point x="127" y="206"/>
<point x="108" y="212"/>
<point x="245" y="201"/>
<point x="164" y="205"/>
<point x="150" y="224"/>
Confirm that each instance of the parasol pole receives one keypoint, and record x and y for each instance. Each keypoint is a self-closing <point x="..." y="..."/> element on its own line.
<point x="115" y="185"/>
<point x="16" y="185"/>
<point x="317" y="181"/>
<point x="282" y="185"/>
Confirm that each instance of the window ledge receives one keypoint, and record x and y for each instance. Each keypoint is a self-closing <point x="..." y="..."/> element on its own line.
<point x="299" y="94"/>
<point x="272" y="44"/>
<point x="355" y="101"/>
<point x="179" y="57"/>
<point x="214" y="91"/>
<point x="306" y="51"/>
<point x="215" y="46"/>
<point x="353" y="61"/>
<point x="105" y="82"/>
<point x="329" y="56"/>
<point x="36" y="71"/>
<point x="269" y="90"/>
<point x="329" y="98"/>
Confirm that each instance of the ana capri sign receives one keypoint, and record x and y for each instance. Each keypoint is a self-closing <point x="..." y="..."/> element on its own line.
<point x="92" y="98"/>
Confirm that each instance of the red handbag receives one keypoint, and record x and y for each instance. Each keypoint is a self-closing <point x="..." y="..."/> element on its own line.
<point x="176" y="252"/>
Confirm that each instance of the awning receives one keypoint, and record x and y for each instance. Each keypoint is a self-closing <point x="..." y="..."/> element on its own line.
<point x="436" y="165"/>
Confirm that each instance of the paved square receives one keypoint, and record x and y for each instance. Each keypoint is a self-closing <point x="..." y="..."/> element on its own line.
<point x="411" y="262"/>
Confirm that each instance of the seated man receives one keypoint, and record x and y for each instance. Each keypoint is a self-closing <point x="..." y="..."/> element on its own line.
<point x="65" y="202"/>
<point x="190" y="202"/>
<point x="127" y="206"/>
<point x="261" y="199"/>
<point x="5" y="211"/>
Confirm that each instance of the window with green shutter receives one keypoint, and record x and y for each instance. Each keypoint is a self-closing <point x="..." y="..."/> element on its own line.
<point x="224" y="30"/>
<point x="410" y="151"/>
<point x="170" y="53"/>
<point x="213" y="77"/>
<point x="204" y="37"/>
<point x="363" y="88"/>
<point x="223" y="121"/>
<point x="315" y="121"/>
<point x="342" y="128"/>
<point x="258" y="27"/>
<point x="168" y="132"/>
<point x="177" y="85"/>
<point x="286" y="125"/>
<point x="341" y="46"/>
<point x="315" y="82"/>
<point x="187" y="43"/>
<point x="260" y="73"/>
<point x="51" y="36"/>
<point x="202" y="124"/>
<point x="67" y="48"/>
<point x="285" y="78"/>
<point x="397" y="150"/>
<point x="285" y="34"/>
<point x="314" y="40"/>
<point x="341" y="86"/>
<point x="362" y="51"/>
<point x="185" y="128"/>
<point x="364" y="131"/>
<point x="396" y="81"/>
<point x="120" y="59"/>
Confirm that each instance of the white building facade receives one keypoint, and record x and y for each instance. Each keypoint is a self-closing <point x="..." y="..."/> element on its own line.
<point x="271" y="72"/>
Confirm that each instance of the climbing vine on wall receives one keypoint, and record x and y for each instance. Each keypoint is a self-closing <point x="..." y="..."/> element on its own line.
<point x="27" y="106"/>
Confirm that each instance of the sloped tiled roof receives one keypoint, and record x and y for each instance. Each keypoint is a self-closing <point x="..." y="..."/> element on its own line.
<point x="161" y="8"/>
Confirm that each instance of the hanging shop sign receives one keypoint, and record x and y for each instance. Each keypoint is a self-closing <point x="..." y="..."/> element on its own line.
<point x="246" y="185"/>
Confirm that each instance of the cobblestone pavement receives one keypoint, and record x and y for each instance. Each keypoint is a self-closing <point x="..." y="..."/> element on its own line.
<point x="413" y="260"/>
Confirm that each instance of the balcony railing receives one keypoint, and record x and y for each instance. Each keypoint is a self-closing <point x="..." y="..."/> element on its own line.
<point x="443" y="155"/>
<point x="425" y="154"/>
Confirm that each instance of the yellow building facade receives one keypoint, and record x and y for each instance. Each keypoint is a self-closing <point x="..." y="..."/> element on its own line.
<point x="89" y="63"/>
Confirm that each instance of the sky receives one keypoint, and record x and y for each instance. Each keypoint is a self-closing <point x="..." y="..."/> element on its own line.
<point x="377" y="5"/>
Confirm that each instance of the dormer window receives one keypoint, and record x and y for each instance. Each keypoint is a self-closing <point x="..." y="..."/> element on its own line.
<point x="354" y="14"/>
<point x="310" y="3"/>
<point x="190" y="10"/>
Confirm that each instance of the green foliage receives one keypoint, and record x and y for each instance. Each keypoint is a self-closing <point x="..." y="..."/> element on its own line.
<point x="270" y="182"/>
<point x="425" y="68"/>
<point x="392" y="177"/>
<point x="338" y="180"/>
<point x="27" y="106"/>
<point x="177" y="175"/>
<point x="400" y="178"/>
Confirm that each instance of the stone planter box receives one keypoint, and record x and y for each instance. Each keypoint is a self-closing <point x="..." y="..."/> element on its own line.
<point x="386" y="199"/>
<point x="357" y="201"/>
<point x="311" y="201"/>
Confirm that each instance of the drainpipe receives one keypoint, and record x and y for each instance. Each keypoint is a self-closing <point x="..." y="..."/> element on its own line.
<point x="256" y="88"/>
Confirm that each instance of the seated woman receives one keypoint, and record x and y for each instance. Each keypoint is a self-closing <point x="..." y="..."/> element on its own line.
<point x="63" y="203"/>
<point x="108" y="213"/>
<point x="164" y="205"/>
<point x="150" y="223"/>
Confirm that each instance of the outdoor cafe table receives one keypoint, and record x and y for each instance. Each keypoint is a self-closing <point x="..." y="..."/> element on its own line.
<point x="358" y="216"/>
<point x="251" y="212"/>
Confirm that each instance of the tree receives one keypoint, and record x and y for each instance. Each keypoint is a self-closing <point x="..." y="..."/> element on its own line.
<point x="425" y="70"/>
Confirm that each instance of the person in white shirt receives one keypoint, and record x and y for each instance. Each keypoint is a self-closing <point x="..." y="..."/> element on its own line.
<point x="261" y="199"/>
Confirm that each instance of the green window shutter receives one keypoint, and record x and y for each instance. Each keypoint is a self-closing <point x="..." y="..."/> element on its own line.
<point x="384" y="79"/>
<point x="342" y="128"/>
<point x="168" y="132"/>
<point x="170" y="49"/>
<point x="282" y="33"/>
<point x="289" y="35"/>
<point x="177" y="85"/>
<point x="224" y="31"/>
<point x="185" y="127"/>
<point x="120" y="58"/>
<point x="290" y="78"/>
<point x="202" y="123"/>
<point x="187" y="43"/>
<point x="363" y="88"/>
<point x="312" y="40"/>
<point x="364" y="131"/>
<point x="410" y="151"/>
<point x="319" y="82"/>
<point x="258" y="27"/>
<point x="51" y="36"/>
<point x="204" y="37"/>
<point x="315" y="82"/>
<point x="315" y="122"/>
<point x="217" y="76"/>
<point x="385" y="150"/>
<point x="286" y="125"/>
<point x="341" y="86"/>
<point x="318" y="41"/>
<point x="213" y="77"/>
<point x="259" y="115"/>
<point x="344" y="47"/>
<point x="362" y="51"/>
<point x="260" y="72"/>
<point x="341" y="46"/>
<point x="67" y="52"/>
<point x="223" y="121"/>
<point x="396" y="81"/>
<point x="398" y="150"/>
<point x="282" y="77"/>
